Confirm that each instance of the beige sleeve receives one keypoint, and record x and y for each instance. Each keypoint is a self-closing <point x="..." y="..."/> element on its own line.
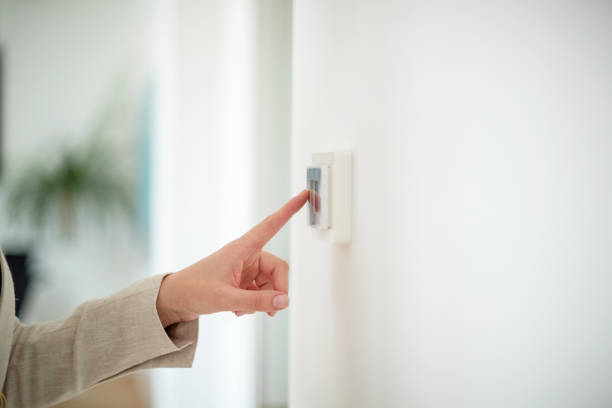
<point x="102" y="339"/>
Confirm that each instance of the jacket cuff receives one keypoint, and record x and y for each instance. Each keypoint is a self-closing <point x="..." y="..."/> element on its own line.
<point x="175" y="338"/>
<point x="173" y="347"/>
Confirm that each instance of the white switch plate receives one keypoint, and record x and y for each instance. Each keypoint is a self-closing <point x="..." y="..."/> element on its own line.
<point x="335" y="209"/>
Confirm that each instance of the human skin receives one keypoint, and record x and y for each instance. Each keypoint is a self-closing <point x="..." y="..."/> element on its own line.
<point x="239" y="277"/>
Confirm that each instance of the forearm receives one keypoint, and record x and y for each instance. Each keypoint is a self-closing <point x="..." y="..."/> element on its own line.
<point x="101" y="339"/>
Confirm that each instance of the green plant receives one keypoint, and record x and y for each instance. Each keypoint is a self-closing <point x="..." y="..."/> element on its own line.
<point x="85" y="175"/>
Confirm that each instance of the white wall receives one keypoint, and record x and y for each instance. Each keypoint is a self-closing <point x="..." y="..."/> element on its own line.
<point x="479" y="273"/>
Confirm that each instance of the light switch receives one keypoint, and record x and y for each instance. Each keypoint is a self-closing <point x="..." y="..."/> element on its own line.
<point x="317" y="182"/>
<point x="329" y="184"/>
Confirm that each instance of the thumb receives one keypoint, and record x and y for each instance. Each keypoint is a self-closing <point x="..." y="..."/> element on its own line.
<point x="258" y="300"/>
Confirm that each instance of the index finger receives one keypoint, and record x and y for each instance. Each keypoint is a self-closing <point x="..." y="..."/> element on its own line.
<point x="263" y="232"/>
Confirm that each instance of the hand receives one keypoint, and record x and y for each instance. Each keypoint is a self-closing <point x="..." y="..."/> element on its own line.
<point x="239" y="277"/>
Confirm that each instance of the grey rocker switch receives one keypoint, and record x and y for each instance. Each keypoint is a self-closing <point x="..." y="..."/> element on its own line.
<point x="317" y="183"/>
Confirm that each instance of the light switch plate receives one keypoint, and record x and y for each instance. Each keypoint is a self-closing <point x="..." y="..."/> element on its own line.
<point x="329" y="181"/>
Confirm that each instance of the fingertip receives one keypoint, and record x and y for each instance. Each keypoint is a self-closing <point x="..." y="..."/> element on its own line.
<point x="245" y="301"/>
<point x="303" y="197"/>
<point x="280" y="301"/>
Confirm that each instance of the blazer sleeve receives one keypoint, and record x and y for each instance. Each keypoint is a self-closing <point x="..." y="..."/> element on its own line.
<point x="102" y="339"/>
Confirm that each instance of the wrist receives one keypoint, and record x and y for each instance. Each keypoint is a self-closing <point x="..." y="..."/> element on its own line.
<point x="166" y="305"/>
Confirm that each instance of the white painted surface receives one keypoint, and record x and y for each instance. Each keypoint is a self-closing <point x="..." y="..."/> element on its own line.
<point x="480" y="267"/>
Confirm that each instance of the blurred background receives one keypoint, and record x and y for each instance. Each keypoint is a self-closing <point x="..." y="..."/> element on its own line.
<point x="135" y="137"/>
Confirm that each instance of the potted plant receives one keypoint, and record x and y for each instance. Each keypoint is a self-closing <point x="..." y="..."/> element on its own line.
<point x="48" y="197"/>
<point x="85" y="176"/>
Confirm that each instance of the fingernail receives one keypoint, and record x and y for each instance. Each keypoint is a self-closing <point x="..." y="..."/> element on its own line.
<point x="280" y="301"/>
<point x="238" y="314"/>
